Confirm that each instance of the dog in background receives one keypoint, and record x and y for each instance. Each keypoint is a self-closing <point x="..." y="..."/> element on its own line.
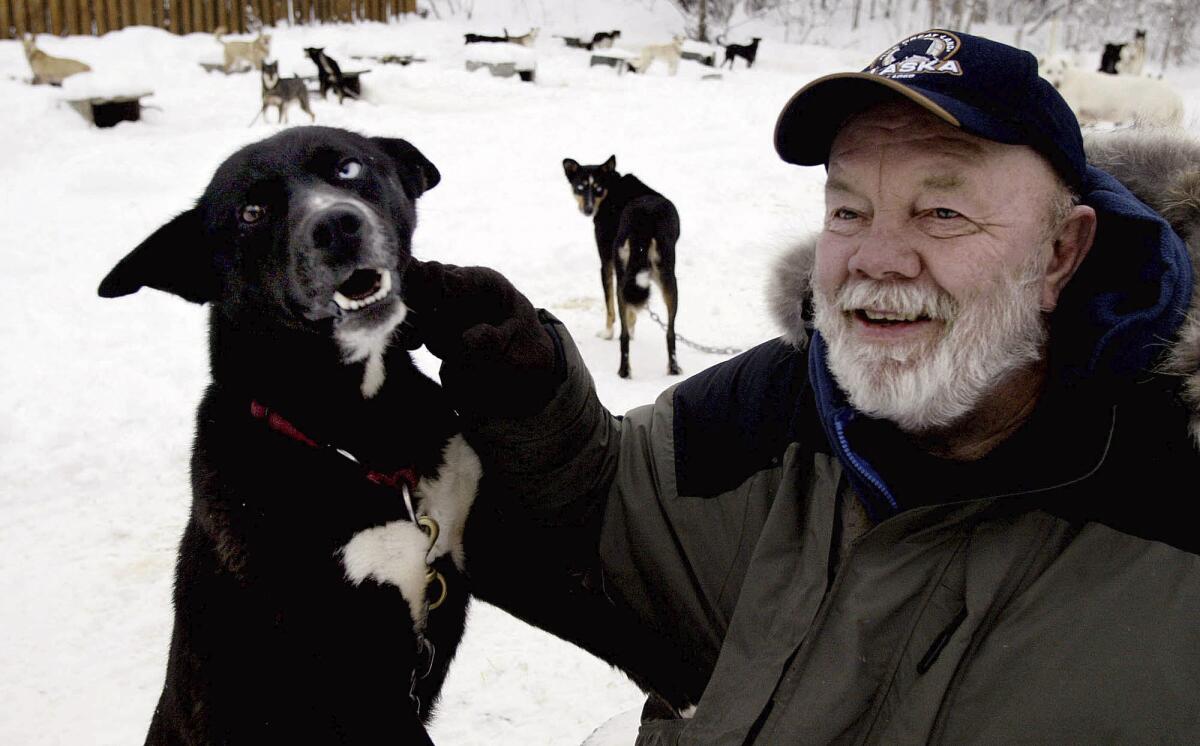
<point x="668" y="53"/>
<point x="319" y="593"/>
<point x="279" y="92"/>
<point x="603" y="39"/>
<point x="525" y="40"/>
<point x="239" y="53"/>
<point x="636" y="231"/>
<point x="482" y="39"/>
<point x="329" y="73"/>
<point x="47" y="69"/>
<point x="746" y="51"/>
<point x="1125" y="59"/>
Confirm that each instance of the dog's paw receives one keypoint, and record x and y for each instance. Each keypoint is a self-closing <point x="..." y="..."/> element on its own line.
<point x="623" y="371"/>
<point x="673" y="368"/>
<point x="606" y="333"/>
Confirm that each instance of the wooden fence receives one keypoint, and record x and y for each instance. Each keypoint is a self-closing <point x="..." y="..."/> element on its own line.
<point x="95" y="17"/>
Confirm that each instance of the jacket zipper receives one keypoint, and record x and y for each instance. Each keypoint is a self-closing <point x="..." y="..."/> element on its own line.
<point x="839" y="424"/>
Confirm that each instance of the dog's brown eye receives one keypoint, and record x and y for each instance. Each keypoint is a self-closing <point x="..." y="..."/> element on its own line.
<point x="253" y="213"/>
<point x="349" y="169"/>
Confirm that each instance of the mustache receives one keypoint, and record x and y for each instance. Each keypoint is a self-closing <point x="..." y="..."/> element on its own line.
<point x="904" y="298"/>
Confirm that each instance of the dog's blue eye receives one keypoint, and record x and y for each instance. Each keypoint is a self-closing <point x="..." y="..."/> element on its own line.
<point x="349" y="169"/>
<point x="253" y="213"/>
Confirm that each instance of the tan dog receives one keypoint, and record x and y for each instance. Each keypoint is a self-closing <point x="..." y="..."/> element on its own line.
<point x="251" y="52"/>
<point x="47" y="69"/>
<point x="525" y="40"/>
<point x="669" y="53"/>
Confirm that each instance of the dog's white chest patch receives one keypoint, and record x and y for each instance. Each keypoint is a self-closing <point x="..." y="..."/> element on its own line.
<point x="398" y="553"/>
<point x="393" y="553"/>
<point x="447" y="498"/>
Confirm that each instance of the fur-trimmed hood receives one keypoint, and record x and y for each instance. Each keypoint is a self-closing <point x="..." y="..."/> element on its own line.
<point x="1137" y="287"/>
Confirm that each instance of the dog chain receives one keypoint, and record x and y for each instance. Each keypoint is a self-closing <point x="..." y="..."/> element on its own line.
<point x="695" y="345"/>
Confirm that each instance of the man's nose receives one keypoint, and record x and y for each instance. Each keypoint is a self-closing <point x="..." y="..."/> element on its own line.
<point x="885" y="253"/>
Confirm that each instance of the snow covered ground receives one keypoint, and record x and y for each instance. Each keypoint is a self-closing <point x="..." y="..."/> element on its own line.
<point x="97" y="397"/>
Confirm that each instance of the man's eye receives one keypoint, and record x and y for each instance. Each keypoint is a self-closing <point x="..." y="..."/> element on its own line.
<point x="844" y="213"/>
<point x="945" y="213"/>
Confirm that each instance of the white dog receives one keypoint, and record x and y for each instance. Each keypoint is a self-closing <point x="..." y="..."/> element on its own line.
<point x="669" y="53"/>
<point x="1120" y="99"/>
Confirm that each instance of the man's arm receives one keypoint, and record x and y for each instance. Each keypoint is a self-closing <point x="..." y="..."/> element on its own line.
<point x="557" y="466"/>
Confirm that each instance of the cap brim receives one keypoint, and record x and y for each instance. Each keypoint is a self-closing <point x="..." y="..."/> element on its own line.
<point x="812" y="117"/>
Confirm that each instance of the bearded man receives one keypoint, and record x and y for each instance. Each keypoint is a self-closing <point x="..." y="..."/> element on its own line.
<point x="952" y="513"/>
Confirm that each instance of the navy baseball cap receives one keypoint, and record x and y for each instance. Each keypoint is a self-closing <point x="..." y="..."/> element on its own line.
<point x="981" y="86"/>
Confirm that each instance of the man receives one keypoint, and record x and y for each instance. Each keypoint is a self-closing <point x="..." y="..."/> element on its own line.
<point x="954" y="513"/>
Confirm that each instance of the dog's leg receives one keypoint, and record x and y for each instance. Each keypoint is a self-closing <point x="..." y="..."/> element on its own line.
<point x="610" y="313"/>
<point x="622" y="309"/>
<point x="670" y="293"/>
<point x="631" y="313"/>
<point x="307" y="110"/>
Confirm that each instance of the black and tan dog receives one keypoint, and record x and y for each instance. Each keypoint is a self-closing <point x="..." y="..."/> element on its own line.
<point x="319" y="594"/>
<point x="279" y="92"/>
<point x="748" y="52"/>
<point x="329" y="74"/>
<point x="636" y="232"/>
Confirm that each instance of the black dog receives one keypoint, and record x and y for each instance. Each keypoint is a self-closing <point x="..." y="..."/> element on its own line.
<point x="307" y="609"/>
<point x="746" y="51"/>
<point x="480" y="38"/>
<point x="636" y="232"/>
<point x="329" y="73"/>
<point x="603" y="39"/>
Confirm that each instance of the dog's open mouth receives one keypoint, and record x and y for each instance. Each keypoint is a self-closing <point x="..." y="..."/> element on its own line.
<point x="364" y="288"/>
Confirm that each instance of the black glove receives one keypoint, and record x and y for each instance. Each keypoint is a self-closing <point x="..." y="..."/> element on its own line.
<point x="498" y="359"/>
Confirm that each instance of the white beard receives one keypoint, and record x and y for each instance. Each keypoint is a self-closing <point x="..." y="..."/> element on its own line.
<point x="930" y="385"/>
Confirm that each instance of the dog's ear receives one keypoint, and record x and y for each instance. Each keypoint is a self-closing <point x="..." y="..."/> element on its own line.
<point x="174" y="259"/>
<point x="609" y="165"/>
<point x="417" y="173"/>
<point x="570" y="166"/>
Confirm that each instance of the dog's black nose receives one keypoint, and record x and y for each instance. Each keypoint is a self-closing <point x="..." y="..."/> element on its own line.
<point x="338" y="229"/>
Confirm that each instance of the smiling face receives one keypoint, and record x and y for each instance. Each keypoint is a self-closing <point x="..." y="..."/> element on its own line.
<point x="936" y="262"/>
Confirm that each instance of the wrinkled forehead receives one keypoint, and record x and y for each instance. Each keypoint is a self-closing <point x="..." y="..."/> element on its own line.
<point x="899" y="132"/>
<point x="900" y="125"/>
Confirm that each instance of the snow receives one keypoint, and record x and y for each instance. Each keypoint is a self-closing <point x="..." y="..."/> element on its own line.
<point x="99" y="396"/>
<point x="495" y="53"/>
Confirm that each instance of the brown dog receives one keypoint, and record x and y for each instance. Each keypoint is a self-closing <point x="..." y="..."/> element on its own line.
<point x="47" y="69"/>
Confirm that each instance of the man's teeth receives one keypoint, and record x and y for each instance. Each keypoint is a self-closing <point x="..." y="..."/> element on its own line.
<point x="890" y="316"/>
<point x="385" y="287"/>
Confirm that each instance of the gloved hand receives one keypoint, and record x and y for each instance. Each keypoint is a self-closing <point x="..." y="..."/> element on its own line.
<point x="498" y="360"/>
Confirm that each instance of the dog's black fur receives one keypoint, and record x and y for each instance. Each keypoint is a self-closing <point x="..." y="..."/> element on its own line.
<point x="481" y="38"/>
<point x="636" y="231"/>
<point x="277" y="92"/>
<point x="1110" y="59"/>
<point x="329" y="74"/>
<point x="603" y="39"/>
<point x="746" y="51"/>
<point x="272" y="643"/>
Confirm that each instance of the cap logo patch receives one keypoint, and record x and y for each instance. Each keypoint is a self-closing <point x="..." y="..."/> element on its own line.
<point x="929" y="52"/>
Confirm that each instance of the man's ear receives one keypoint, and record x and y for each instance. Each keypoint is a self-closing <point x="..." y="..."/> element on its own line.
<point x="610" y="164"/>
<point x="176" y="259"/>
<point x="1071" y="246"/>
<point x="570" y="166"/>
<point x="417" y="173"/>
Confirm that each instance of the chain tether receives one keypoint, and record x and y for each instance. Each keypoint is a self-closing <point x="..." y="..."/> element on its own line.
<point x="695" y="345"/>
